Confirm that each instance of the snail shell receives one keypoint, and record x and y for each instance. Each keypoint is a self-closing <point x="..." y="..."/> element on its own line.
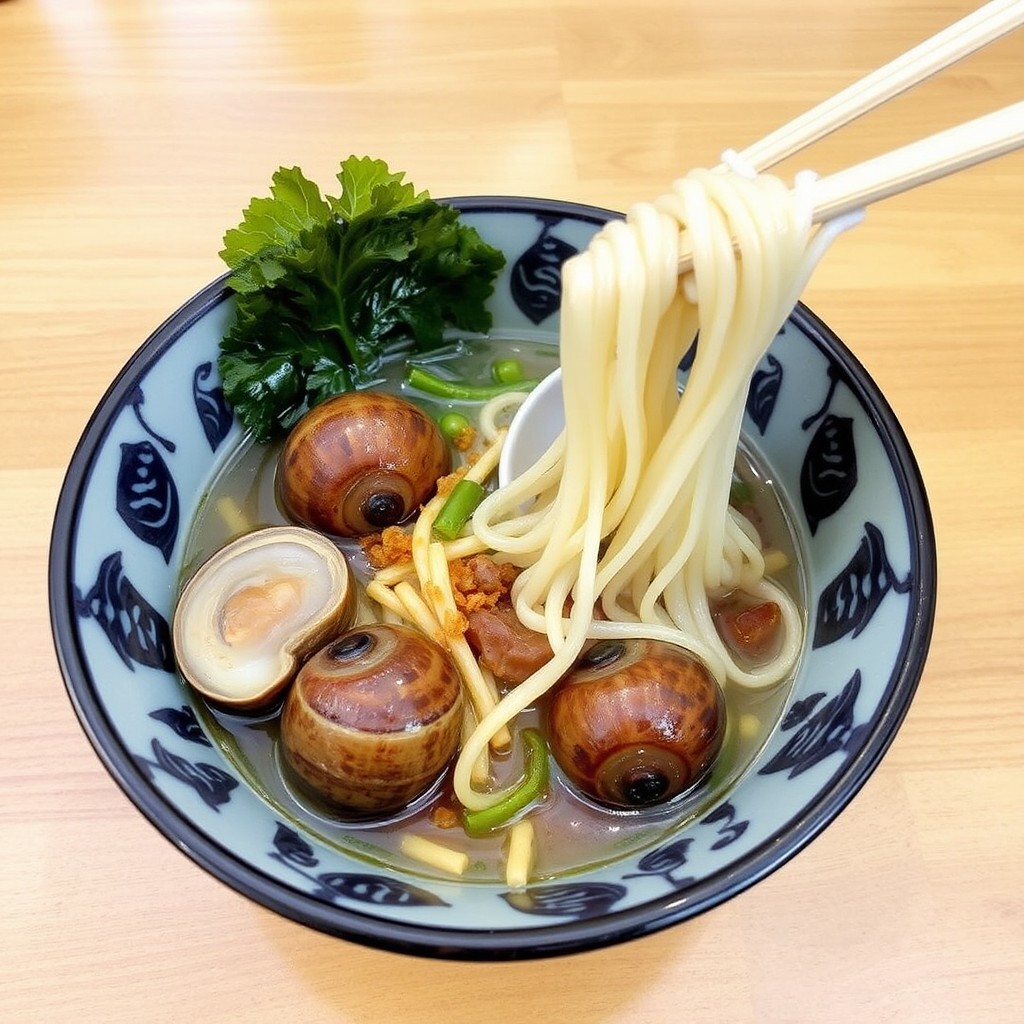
<point x="637" y="722"/>
<point x="360" y="462"/>
<point x="373" y="718"/>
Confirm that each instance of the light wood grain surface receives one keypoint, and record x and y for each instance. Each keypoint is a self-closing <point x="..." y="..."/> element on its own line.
<point x="132" y="132"/>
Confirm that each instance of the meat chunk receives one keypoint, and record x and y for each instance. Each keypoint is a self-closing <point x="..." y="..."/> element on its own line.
<point x="480" y="582"/>
<point x="504" y="645"/>
<point x="752" y="630"/>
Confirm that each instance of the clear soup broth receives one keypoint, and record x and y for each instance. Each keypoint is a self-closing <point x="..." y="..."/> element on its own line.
<point x="572" y="834"/>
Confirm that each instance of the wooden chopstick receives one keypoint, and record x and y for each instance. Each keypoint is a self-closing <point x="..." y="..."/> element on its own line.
<point x="929" y="159"/>
<point x="964" y="37"/>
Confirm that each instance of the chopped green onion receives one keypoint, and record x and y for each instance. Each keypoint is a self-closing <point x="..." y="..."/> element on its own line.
<point x="429" y="382"/>
<point x="452" y="424"/>
<point x="529" y="789"/>
<point x="507" y="371"/>
<point x="740" y="493"/>
<point x="461" y="504"/>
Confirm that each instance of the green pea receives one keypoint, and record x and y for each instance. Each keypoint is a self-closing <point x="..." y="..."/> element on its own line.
<point x="452" y="424"/>
<point x="507" y="371"/>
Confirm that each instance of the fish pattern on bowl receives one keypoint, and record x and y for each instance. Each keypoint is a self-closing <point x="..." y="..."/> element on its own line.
<point x="812" y="414"/>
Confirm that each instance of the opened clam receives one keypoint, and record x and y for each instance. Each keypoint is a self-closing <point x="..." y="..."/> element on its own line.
<point x="252" y="612"/>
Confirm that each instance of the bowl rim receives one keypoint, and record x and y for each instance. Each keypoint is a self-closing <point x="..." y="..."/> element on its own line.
<point x="482" y="944"/>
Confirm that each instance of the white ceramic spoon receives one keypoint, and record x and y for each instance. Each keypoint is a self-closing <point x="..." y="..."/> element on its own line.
<point x="538" y="421"/>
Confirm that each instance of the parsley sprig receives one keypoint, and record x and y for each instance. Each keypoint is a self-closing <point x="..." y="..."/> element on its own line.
<point x="325" y="284"/>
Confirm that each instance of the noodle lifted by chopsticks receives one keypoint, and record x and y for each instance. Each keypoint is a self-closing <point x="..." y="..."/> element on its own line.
<point x="628" y="511"/>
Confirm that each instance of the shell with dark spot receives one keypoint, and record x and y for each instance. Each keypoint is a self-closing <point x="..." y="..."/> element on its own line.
<point x="373" y="718"/>
<point x="637" y="722"/>
<point x="360" y="462"/>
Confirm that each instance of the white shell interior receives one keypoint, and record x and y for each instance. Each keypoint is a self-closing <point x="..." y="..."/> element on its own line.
<point x="248" y="668"/>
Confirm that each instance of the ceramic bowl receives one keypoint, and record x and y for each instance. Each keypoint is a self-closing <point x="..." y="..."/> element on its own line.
<point x="861" y="516"/>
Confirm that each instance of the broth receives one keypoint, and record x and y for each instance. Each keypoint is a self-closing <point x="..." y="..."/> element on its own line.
<point x="572" y="834"/>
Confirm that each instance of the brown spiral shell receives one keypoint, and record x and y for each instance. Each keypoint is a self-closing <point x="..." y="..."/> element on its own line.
<point x="373" y="718"/>
<point x="636" y="722"/>
<point x="359" y="462"/>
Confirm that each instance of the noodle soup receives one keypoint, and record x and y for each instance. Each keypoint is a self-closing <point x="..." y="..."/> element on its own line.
<point x="573" y="833"/>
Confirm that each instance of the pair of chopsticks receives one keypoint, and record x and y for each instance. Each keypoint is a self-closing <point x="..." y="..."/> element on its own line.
<point x="919" y="162"/>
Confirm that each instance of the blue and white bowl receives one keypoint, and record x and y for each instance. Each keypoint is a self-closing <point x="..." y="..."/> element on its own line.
<point x="813" y="415"/>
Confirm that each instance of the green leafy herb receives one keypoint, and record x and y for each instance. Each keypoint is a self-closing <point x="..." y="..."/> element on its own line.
<point x="325" y="285"/>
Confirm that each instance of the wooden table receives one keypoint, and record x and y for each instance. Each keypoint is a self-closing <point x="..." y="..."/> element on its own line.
<point x="131" y="135"/>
